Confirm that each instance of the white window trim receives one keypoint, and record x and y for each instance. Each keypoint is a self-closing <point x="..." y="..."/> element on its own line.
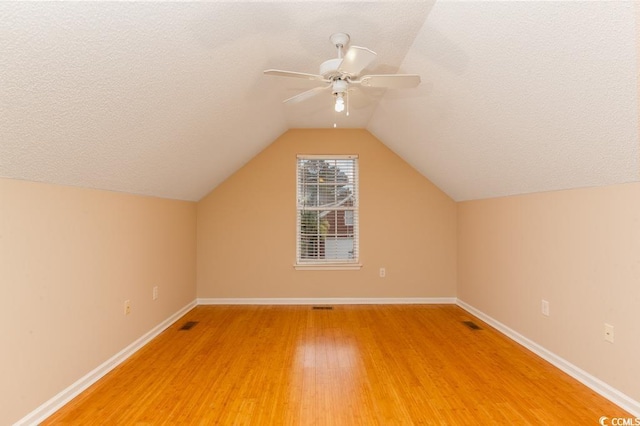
<point x="327" y="266"/>
<point x="340" y="265"/>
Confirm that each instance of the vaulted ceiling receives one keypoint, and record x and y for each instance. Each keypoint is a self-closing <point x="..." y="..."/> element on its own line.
<point x="169" y="99"/>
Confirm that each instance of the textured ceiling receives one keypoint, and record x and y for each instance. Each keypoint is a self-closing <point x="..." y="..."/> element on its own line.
<point x="519" y="97"/>
<point x="169" y="99"/>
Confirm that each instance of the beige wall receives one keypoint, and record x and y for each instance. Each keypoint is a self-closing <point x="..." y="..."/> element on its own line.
<point x="577" y="249"/>
<point x="246" y="227"/>
<point x="69" y="257"/>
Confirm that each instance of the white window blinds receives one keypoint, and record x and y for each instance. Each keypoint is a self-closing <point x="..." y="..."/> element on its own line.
<point x="327" y="210"/>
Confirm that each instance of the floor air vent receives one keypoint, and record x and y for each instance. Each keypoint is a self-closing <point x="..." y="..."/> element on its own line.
<point x="188" y="325"/>
<point x="326" y="308"/>
<point x="472" y="325"/>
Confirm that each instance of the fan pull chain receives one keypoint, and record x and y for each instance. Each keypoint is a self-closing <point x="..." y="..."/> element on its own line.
<point x="347" y="101"/>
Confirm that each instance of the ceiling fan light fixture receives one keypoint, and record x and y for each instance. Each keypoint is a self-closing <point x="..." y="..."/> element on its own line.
<point x="339" y="107"/>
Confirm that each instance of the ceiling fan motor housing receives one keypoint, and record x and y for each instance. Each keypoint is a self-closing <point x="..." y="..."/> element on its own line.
<point x="339" y="86"/>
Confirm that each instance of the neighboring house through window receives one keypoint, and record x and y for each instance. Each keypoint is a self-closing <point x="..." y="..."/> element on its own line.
<point x="327" y="211"/>
<point x="348" y="217"/>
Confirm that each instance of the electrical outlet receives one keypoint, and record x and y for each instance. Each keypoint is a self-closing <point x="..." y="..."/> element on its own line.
<point x="383" y="272"/>
<point x="155" y="293"/>
<point x="545" y="308"/>
<point x="608" y="333"/>
<point x="127" y="307"/>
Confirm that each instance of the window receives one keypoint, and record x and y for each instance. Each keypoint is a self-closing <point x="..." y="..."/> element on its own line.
<point x="327" y="234"/>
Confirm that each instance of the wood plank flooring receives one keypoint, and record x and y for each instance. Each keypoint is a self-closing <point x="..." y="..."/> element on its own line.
<point x="352" y="365"/>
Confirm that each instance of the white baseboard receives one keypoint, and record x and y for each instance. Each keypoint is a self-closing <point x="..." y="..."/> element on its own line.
<point x="328" y="301"/>
<point x="612" y="394"/>
<point x="55" y="403"/>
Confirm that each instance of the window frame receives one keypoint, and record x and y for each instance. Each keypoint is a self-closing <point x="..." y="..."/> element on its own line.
<point x="329" y="264"/>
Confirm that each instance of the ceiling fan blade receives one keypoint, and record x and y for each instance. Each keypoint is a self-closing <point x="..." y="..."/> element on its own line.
<point x="391" y="81"/>
<point x="294" y="74"/>
<point x="356" y="59"/>
<point x="359" y="98"/>
<point x="306" y="95"/>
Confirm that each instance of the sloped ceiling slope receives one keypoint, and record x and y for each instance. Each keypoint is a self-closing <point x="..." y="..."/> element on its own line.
<point x="168" y="98"/>
<point x="519" y="97"/>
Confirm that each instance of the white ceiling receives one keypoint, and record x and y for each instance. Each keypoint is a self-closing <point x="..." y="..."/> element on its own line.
<point x="169" y="99"/>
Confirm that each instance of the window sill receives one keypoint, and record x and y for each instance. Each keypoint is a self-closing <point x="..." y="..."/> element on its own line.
<point x="328" y="267"/>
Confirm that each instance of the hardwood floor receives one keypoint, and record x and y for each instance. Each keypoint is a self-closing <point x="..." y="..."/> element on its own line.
<point x="353" y="365"/>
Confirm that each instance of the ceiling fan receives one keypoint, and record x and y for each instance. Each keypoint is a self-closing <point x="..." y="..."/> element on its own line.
<point x="341" y="74"/>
